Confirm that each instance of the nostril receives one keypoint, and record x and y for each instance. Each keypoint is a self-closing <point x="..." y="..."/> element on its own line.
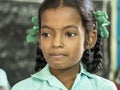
<point x="57" y="43"/>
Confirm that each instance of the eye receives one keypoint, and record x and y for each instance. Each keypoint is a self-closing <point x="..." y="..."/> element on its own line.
<point x="45" y="34"/>
<point x="70" y="34"/>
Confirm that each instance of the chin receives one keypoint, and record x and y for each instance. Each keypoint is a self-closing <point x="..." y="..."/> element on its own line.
<point x="56" y="66"/>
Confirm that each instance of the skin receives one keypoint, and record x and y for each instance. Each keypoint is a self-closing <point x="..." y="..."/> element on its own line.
<point x="2" y="88"/>
<point x="62" y="41"/>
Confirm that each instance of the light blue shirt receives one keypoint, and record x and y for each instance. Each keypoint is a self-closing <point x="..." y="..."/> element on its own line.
<point x="4" y="80"/>
<point x="44" y="80"/>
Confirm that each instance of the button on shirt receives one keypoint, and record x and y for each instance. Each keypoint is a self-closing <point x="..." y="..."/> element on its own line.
<point x="44" y="80"/>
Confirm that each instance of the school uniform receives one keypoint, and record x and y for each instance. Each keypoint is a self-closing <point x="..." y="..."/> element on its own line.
<point x="44" y="80"/>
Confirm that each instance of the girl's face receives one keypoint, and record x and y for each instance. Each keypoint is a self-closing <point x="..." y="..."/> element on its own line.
<point x="62" y="37"/>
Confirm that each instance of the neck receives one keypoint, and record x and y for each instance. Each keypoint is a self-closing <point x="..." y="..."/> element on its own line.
<point x="66" y="76"/>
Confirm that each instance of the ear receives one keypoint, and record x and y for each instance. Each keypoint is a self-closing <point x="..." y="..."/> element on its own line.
<point x="91" y="39"/>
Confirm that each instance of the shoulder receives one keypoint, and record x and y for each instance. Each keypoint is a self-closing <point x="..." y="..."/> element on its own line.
<point x="2" y="72"/>
<point x="21" y="85"/>
<point x="98" y="82"/>
<point x="27" y="84"/>
<point x="3" y="79"/>
<point x="103" y="83"/>
<point x="34" y="82"/>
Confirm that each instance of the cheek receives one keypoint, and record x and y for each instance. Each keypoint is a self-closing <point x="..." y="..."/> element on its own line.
<point x="77" y="49"/>
<point x="44" y="46"/>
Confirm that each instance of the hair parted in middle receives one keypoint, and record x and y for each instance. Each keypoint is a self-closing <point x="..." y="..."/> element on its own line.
<point x="92" y="58"/>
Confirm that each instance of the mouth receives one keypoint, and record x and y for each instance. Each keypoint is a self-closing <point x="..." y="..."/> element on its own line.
<point x="57" y="55"/>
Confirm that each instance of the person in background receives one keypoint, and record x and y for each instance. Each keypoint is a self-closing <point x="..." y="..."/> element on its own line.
<point x="4" y="83"/>
<point x="117" y="78"/>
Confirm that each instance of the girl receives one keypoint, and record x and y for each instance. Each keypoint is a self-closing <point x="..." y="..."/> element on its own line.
<point x="69" y="37"/>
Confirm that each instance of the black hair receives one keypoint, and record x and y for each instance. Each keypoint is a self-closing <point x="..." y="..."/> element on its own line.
<point x="92" y="58"/>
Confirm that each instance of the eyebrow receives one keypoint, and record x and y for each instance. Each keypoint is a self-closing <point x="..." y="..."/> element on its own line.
<point x="64" y="28"/>
<point x="70" y="26"/>
<point x="46" y="27"/>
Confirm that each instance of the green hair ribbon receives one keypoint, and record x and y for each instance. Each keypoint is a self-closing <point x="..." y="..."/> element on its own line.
<point x="32" y="33"/>
<point x="100" y="16"/>
<point x="102" y="21"/>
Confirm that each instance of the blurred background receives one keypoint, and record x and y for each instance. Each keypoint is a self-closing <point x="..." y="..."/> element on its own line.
<point x="17" y="57"/>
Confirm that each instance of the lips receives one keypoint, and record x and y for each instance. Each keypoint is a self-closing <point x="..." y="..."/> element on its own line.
<point x="57" y="55"/>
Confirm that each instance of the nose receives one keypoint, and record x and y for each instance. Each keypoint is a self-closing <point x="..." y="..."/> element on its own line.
<point x="57" y="41"/>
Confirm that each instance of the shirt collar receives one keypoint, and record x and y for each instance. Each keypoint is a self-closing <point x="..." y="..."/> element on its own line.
<point x="84" y="72"/>
<point x="45" y="73"/>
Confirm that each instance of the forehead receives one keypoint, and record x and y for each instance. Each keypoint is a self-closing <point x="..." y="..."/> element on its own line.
<point x="61" y="15"/>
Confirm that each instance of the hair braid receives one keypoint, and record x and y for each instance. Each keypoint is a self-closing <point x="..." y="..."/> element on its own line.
<point x="93" y="60"/>
<point x="40" y="61"/>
